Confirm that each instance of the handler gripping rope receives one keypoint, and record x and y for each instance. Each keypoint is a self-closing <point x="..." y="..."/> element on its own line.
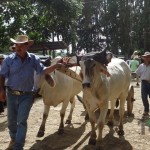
<point x="65" y="68"/>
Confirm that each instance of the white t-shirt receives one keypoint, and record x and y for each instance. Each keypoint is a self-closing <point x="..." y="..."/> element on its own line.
<point x="144" y="72"/>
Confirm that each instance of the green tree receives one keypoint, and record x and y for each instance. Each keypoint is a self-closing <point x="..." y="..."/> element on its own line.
<point x="146" y="25"/>
<point x="41" y="20"/>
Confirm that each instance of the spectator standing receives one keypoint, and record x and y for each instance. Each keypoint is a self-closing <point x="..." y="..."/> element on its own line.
<point x="133" y="66"/>
<point x="144" y="72"/>
<point x="19" y="68"/>
<point x="3" y="98"/>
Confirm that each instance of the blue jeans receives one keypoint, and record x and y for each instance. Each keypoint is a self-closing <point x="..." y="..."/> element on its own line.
<point x="18" y="108"/>
<point x="145" y="93"/>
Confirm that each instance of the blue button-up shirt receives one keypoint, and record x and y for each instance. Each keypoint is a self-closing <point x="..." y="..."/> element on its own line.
<point x="20" y="75"/>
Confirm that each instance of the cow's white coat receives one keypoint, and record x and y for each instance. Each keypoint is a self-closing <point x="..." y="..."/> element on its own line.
<point x="63" y="91"/>
<point x="104" y="89"/>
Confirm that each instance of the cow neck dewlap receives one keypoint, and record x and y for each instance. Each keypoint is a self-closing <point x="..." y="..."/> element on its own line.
<point x="89" y="97"/>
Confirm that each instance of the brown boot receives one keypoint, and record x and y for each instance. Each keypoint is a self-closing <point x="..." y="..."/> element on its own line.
<point x="11" y="145"/>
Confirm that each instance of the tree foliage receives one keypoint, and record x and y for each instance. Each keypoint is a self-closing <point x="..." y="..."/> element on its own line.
<point x="85" y="24"/>
<point x="41" y="20"/>
<point x="125" y="24"/>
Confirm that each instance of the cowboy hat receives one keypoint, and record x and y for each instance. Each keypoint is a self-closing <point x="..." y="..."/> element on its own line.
<point x="2" y="56"/>
<point x="146" y="54"/>
<point x="22" y="39"/>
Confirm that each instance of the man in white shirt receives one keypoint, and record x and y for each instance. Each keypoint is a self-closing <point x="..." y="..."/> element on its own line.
<point x="144" y="72"/>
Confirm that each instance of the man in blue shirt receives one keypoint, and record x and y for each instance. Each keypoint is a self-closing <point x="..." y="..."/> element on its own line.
<point x="18" y="68"/>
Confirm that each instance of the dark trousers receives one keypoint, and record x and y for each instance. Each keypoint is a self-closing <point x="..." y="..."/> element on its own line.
<point x="1" y="107"/>
<point x="145" y="93"/>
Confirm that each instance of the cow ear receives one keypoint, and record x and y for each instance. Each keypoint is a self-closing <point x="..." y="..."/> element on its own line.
<point x="50" y="80"/>
<point x="103" y="69"/>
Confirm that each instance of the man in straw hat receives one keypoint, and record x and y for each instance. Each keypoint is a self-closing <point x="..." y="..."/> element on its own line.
<point x="144" y="72"/>
<point x="19" y="68"/>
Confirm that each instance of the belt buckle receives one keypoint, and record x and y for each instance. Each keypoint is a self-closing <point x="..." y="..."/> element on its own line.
<point x="17" y="93"/>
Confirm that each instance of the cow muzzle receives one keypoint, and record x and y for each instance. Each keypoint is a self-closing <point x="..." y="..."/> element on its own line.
<point x="86" y="85"/>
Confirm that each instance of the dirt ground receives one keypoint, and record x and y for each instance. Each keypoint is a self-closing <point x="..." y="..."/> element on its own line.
<point x="76" y="135"/>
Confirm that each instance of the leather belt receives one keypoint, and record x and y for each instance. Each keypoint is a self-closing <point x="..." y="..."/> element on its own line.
<point x="18" y="93"/>
<point x="146" y="81"/>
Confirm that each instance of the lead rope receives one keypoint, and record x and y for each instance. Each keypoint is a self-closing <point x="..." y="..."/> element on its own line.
<point x="65" y="69"/>
<point x="70" y="73"/>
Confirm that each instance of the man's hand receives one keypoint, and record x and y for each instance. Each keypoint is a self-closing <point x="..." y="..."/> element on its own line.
<point x="65" y="62"/>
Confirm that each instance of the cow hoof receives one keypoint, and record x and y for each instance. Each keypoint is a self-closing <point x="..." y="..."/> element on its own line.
<point x="92" y="142"/>
<point x="120" y="132"/>
<point x="110" y="123"/>
<point x="68" y="121"/>
<point x="40" y="134"/>
<point x="60" y="131"/>
<point x="130" y="114"/>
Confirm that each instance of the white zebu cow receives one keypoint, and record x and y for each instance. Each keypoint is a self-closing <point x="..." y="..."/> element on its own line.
<point x="55" y="89"/>
<point x="101" y="84"/>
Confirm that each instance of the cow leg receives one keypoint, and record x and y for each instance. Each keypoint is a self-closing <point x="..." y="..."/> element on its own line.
<point x="130" y="100"/>
<point x="72" y="102"/>
<point x="101" y="123"/>
<point x="86" y="113"/>
<point x="121" y="114"/>
<point x="111" y="115"/>
<point x="62" y="115"/>
<point x="42" y="127"/>
<point x="92" y="118"/>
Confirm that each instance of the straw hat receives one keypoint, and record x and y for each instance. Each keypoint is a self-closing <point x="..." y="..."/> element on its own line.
<point x="146" y="54"/>
<point x="2" y="56"/>
<point x="22" y="39"/>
